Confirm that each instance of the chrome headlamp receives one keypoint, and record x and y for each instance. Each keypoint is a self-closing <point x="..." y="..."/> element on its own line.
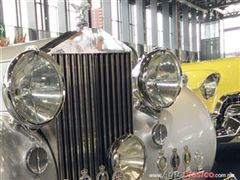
<point x="127" y="155"/>
<point x="33" y="88"/>
<point x="209" y="86"/>
<point x="159" y="79"/>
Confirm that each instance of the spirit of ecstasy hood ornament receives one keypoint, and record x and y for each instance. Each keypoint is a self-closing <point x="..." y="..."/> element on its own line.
<point x="81" y="15"/>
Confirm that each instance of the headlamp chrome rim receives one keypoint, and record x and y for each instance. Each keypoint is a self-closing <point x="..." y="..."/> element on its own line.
<point x="8" y="93"/>
<point x="114" y="148"/>
<point x="144" y="63"/>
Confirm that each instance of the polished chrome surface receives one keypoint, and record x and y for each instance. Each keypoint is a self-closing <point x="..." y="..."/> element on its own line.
<point x="16" y="143"/>
<point x="227" y="117"/>
<point x="84" y="175"/>
<point x="127" y="154"/>
<point x="188" y="123"/>
<point x="33" y="89"/>
<point x="81" y="13"/>
<point x="219" y="106"/>
<point x="90" y="40"/>
<point x="102" y="174"/>
<point x="160" y="78"/>
<point x="209" y="86"/>
<point x="233" y="110"/>
<point x="97" y="110"/>
<point x="162" y="162"/>
<point x="118" y="175"/>
<point x="37" y="160"/>
<point x="157" y="79"/>
<point x="159" y="134"/>
<point x="230" y="176"/>
<point x="199" y="159"/>
<point x="185" y="79"/>
<point x="187" y="157"/>
<point x="3" y="66"/>
<point x="231" y="124"/>
<point x="175" y="160"/>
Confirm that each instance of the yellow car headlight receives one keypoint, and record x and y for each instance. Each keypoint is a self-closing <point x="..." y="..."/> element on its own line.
<point x="209" y="86"/>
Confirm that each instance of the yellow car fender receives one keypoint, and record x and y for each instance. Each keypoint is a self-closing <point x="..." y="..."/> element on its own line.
<point x="229" y="83"/>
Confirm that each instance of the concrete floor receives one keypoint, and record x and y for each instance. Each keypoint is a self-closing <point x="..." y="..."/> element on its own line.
<point x="228" y="160"/>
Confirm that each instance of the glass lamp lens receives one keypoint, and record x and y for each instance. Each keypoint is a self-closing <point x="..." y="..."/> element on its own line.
<point x="128" y="156"/>
<point x="162" y="79"/>
<point x="36" y="88"/>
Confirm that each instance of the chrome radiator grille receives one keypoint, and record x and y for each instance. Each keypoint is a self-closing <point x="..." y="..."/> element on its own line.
<point x="97" y="110"/>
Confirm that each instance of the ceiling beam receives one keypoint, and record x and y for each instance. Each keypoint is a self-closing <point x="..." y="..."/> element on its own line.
<point x="223" y="4"/>
<point x="230" y="15"/>
<point x="193" y="6"/>
<point x="220" y="11"/>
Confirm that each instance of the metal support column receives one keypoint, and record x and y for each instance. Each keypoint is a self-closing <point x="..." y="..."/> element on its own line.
<point x="32" y="20"/>
<point x="140" y="26"/>
<point x="62" y="16"/>
<point x="185" y="20"/>
<point x="165" y="16"/>
<point x="2" y="27"/>
<point x="174" y="25"/>
<point x="1" y="12"/>
<point x="125" y="21"/>
<point x="107" y="20"/>
<point x="153" y="7"/>
<point x="46" y="12"/>
<point x="194" y="30"/>
<point x="200" y="20"/>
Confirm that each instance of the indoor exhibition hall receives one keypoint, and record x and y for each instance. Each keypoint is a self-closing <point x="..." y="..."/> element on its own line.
<point x="119" y="89"/>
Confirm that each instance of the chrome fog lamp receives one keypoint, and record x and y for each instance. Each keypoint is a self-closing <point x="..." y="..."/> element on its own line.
<point x="33" y="88"/>
<point x="160" y="79"/>
<point x="37" y="160"/>
<point x="209" y="86"/>
<point x="127" y="155"/>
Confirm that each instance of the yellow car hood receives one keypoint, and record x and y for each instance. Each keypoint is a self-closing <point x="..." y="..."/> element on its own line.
<point x="198" y="72"/>
<point x="229" y="83"/>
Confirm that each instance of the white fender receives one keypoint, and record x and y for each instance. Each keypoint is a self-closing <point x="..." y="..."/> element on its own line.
<point x="188" y="123"/>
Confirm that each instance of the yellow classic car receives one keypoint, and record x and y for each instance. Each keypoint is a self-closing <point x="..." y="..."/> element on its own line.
<point x="217" y="84"/>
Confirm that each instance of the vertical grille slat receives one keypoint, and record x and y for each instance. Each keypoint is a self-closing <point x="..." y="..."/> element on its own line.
<point x="87" y="106"/>
<point x="82" y="110"/>
<point x="124" y="90"/>
<point x="97" y="110"/>
<point x="71" y="125"/>
<point x="129" y="92"/>
<point x="65" y="117"/>
<point x="104" y="131"/>
<point x="120" y="94"/>
<point x="75" y="124"/>
<point x="113" y="95"/>
<point x="108" y="96"/>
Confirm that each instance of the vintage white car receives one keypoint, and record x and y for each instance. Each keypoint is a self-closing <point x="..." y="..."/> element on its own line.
<point x="76" y="111"/>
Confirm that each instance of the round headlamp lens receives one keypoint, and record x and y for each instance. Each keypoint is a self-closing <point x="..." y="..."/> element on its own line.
<point x="160" y="80"/>
<point x="209" y="86"/>
<point x="34" y="88"/>
<point x="128" y="155"/>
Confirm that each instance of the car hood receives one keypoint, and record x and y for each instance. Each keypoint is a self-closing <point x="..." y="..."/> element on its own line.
<point x="197" y="72"/>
